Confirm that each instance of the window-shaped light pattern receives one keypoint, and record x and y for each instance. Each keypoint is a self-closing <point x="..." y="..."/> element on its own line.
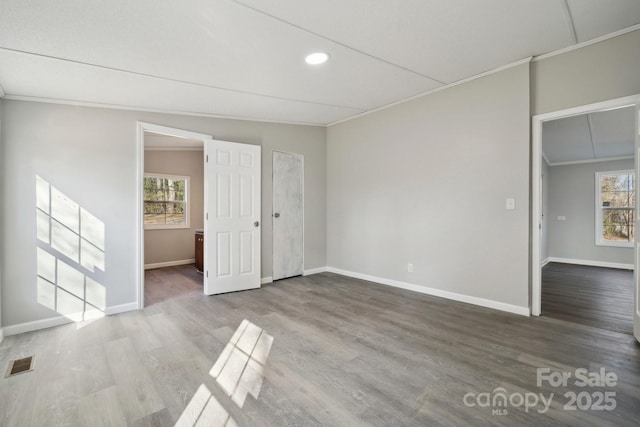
<point x="70" y="255"/>
<point x="238" y="372"/>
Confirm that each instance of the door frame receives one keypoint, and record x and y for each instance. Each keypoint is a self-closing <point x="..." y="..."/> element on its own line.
<point x="273" y="209"/>
<point x="141" y="128"/>
<point x="536" y="190"/>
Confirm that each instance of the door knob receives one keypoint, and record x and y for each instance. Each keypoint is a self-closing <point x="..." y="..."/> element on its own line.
<point x="277" y="215"/>
<point x="255" y="224"/>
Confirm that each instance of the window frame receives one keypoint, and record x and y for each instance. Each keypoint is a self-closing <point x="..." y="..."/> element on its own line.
<point x="600" y="241"/>
<point x="187" y="202"/>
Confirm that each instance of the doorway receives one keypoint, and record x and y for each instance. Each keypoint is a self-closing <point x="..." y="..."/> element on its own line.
<point x="288" y="215"/>
<point x="539" y="207"/>
<point x="173" y="220"/>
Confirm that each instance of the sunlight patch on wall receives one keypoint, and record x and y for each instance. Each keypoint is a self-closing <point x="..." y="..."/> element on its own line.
<point x="71" y="245"/>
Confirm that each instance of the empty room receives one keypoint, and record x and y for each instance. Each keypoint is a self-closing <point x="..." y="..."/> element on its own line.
<point x="269" y="213"/>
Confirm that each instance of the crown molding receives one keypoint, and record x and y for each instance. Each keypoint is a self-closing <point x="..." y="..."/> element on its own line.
<point x="587" y="43"/>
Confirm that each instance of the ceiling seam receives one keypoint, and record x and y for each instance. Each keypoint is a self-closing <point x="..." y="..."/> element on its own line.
<point x="137" y="73"/>
<point x="306" y="30"/>
<point x="593" y="142"/>
<point x="569" y="18"/>
<point x="154" y="110"/>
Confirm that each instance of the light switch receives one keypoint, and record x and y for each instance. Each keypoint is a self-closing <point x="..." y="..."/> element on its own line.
<point x="511" y="204"/>
<point x="562" y="218"/>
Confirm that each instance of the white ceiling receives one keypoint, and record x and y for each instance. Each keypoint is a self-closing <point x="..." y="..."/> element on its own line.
<point x="588" y="137"/>
<point x="244" y="58"/>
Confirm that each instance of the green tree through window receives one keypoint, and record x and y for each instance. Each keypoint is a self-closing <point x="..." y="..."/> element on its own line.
<point x="165" y="201"/>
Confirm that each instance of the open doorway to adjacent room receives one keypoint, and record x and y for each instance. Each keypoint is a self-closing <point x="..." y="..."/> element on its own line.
<point x="172" y="199"/>
<point x="586" y="215"/>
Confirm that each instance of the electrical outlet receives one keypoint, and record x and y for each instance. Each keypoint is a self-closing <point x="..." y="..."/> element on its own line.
<point x="410" y="268"/>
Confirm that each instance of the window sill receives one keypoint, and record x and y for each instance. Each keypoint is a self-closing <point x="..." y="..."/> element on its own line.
<point x="615" y="244"/>
<point x="167" y="227"/>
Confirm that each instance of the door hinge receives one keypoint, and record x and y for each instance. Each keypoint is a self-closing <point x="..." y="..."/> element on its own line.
<point x="207" y="273"/>
<point x="207" y="215"/>
<point x="207" y="158"/>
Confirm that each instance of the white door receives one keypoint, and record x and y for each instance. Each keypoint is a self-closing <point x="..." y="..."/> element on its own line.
<point x="232" y="217"/>
<point x="636" y="272"/>
<point x="288" y="215"/>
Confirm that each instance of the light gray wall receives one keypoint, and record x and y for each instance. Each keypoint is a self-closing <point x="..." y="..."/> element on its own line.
<point x="176" y="244"/>
<point x="603" y="71"/>
<point x="544" y="234"/>
<point x="2" y="179"/>
<point x="572" y="194"/>
<point x="90" y="154"/>
<point x="425" y="182"/>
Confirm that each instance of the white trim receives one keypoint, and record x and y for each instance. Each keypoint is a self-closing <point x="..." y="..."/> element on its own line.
<point x="172" y="148"/>
<point x="36" y="325"/>
<point x="169" y="264"/>
<point x="546" y="261"/>
<point x="545" y="158"/>
<point x="587" y="43"/>
<point x="609" y="105"/>
<point x="536" y="172"/>
<point x="510" y="308"/>
<point x="581" y="162"/>
<point x="266" y="280"/>
<point x="438" y="89"/>
<point x="2" y="95"/>
<point x="158" y="110"/>
<point x="141" y="127"/>
<point x="315" y="271"/>
<point x="122" y="308"/>
<point x="591" y="263"/>
<point x="1" y="335"/>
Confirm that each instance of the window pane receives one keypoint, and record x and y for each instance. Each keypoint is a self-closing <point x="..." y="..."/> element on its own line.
<point x="617" y="199"/>
<point x="619" y="233"/>
<point x="154" y="208"/>
<point x="617" y="225"/>
<point x="175" y="213"/>
<point x="165" y="200"/>
<point x="616" y="183"/>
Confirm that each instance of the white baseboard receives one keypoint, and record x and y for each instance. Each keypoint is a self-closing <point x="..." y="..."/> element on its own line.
<point x="122" y="308"/>
<point x="266" y="280"/>
<point x="314" y="271"/>
<point x="545" y="262"/>
<point x="1" y="334"/>
<point x="510" y="308"/>
<point x="169" y="264"/>
<point x="21" y="328"/>
<point x="591" y="263"/>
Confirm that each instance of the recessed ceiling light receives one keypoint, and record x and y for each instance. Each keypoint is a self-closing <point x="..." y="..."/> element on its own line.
<point x="316" y="58"/>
